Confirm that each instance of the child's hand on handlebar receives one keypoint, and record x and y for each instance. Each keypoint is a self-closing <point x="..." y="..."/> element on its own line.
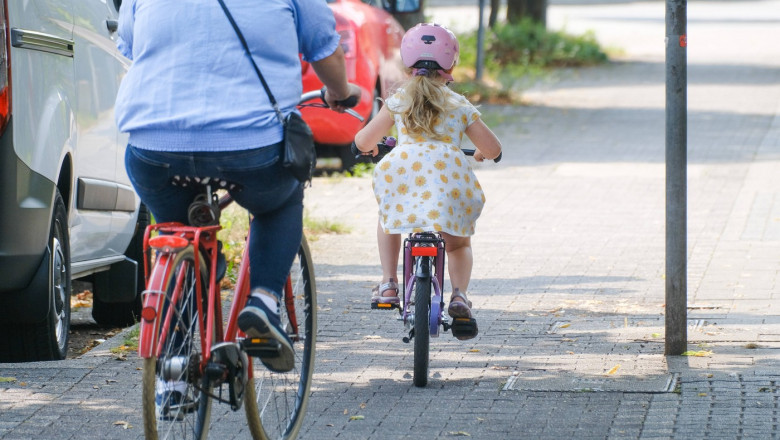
<point x="478" y="156"/>
<point x="342" y="105"/>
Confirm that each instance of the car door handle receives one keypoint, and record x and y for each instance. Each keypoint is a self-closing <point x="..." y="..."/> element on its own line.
<point x="112" y="25"/>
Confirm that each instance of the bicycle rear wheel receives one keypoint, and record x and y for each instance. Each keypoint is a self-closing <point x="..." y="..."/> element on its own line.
<point x="422" y="337"/>
<point x="175" y="404"/>
<point x="276" y="402"/>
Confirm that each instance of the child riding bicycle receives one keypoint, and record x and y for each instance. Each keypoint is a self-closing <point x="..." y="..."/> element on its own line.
<point x="426" y="183"/>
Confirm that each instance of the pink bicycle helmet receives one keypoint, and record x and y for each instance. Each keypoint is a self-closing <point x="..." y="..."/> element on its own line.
<point x="430" y="46"/>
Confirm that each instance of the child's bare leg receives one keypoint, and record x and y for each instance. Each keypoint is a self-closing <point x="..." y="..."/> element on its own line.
<point x="389" y="249"/>
<point x="459" y="261"/>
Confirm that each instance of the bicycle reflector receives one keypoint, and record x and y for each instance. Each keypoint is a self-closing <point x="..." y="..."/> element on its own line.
<point x="168" y="243"/>
<point x="424" y="251"/>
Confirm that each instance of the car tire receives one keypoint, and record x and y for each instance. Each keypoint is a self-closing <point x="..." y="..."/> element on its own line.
<point x="46" y="340"/>
<point x="126" y="313"/>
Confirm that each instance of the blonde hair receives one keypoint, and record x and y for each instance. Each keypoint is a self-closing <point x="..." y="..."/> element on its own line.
<point x="425" y="98"/>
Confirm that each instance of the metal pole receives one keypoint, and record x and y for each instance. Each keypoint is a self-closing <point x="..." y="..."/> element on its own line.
<point x="676" y="185"/>
<point x="480" y="42"/>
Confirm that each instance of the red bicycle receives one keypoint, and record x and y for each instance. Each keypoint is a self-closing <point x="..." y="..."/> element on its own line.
<point x="192" y="356"/>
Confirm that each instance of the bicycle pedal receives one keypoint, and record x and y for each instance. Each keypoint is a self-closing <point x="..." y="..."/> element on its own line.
<point x="464" y="328"/>
<point x="261" y="347"/>
<point x="384" y="306"/>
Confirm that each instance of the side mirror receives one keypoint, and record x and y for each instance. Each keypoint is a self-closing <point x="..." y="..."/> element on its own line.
<point x="401" y="6"/>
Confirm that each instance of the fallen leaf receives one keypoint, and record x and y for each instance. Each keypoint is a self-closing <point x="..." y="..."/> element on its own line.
<point x="362" y="406"/>
<point x="656" y="335"/>
<point x="702" y="394"/>
<point x="700" y="353"/>
<point x="346" y="411"/>
<point x="751" y="346"/>
<point x="567" y="325"/>
<point x="356" y="418"/>
<point x="7" y="379"/>
<point x="123" y="424"/>
<point x="614" y="369"/>
<point x="474" y="350"/>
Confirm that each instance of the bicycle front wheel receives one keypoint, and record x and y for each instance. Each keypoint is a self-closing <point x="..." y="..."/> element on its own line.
<point x="175" y="403"/>
<point x="422" y="337"/>
<point x="276" y="402"/>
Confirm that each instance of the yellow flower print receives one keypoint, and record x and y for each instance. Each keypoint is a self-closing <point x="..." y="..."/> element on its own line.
<point x="474" y="116"/>
<point x="387" y="231"/>
<point x="437" y="227"/>
<point x="399" y="207"/>
<point x="440" y="165"/>
<point x="397" y="224"/>
<point x="384" y="166"/>
<point x="431" y="147"/>
<point x="444" y="178"/>
<point x="477" y="185"/>
<point x="403" y="189"/>
<point x="388" y="178"/>
<point x="451" y="211"/>
<point x="460" y="135"/>
<point x="467" y="178"/>
<point x="419" y="180"/>
<point x="469" y="210"/>
<point x="456" y="175"/>
<point x="452" y="116"/>
<point x="437" y="121"/>
<point x="412" y="218"/>
<point x="417" y="230"/>
<point x="449" y="224"/>
<point x="419" y="139"/>
<point x="464" y="119"/>
<point x="433" y="214"/>
<point x="404" y="155"/>
<point x="401" y="170"/>
<point x="451" y="130"/>
<point x="387" y="207"/>
<point x="414" y="194"/>
<point x="469" y="192"/>
<point x="404" y="130"/>
<point x="455" y="193"/>
<point x="417" y="166"/>
<point x="447" y="139"/>
<point x="426" y="195"/>
<point x="457" y="161"/>
<point x="483" y="198"/>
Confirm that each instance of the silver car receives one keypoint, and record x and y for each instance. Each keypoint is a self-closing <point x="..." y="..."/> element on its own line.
<point x="67" y="209"/>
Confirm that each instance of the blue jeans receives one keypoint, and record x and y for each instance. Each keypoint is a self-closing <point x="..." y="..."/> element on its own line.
<point x="269" y="192"/>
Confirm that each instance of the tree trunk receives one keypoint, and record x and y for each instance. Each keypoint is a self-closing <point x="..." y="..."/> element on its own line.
<point x="494" y="6"/>
<point x="536" y="10"/>
<point x="409" y="19"/>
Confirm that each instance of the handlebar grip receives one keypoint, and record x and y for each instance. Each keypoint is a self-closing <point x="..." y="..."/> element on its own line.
<point x="470" y="152"/>
<point x="349" y="102"/>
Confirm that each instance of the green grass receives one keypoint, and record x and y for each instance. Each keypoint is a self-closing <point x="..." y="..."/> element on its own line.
<point x="515" y="54"/>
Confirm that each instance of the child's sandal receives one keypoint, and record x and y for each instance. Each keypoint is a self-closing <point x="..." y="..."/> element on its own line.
<point x="377" y="293"/>
<point x="459" y="309"/>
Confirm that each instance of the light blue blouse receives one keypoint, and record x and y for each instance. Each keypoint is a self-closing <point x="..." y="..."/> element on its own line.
<point x="191" y="86"/>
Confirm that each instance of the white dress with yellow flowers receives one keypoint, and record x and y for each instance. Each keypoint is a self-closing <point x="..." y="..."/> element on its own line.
<point x="428" y="185"/>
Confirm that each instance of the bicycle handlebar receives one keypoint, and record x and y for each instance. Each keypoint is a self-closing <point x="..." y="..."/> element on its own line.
<point x="389" y="142"/>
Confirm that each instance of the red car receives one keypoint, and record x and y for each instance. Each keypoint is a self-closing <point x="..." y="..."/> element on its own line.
<point x="371" y="38"/>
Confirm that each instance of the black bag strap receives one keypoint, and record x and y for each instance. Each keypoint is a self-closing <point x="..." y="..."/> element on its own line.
<point x="252" y="60"/>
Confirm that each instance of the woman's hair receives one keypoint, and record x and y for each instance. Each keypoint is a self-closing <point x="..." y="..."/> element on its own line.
<point x="424" y="99"/>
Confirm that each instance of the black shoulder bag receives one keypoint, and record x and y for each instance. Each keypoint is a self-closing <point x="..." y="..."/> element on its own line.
<point x="299" y="155"/>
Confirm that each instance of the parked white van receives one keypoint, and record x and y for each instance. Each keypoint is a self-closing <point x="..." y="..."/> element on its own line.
<point x="67" y="209"/>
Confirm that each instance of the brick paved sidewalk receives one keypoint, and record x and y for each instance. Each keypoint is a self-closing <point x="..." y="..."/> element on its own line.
<point x="568" y="278"/>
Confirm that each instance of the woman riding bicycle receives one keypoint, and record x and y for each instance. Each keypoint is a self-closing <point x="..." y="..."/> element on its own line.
<point x="425" y="183"/>
<point x="195" y="109"/>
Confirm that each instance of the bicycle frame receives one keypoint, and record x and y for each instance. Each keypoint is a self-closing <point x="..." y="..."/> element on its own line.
<point x="424" y="263"/>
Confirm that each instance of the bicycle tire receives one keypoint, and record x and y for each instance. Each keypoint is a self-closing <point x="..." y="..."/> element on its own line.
<point x="276" y="402"/>
<point x="422" y="337"/>
<point x="191" y="418"/>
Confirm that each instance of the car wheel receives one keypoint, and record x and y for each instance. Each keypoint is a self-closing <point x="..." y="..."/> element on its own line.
<point x="125" y="313"/>
<point x="48" y="339"/>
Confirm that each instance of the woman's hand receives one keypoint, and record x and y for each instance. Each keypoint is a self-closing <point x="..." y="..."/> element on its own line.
<point x="331" y="99"/>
